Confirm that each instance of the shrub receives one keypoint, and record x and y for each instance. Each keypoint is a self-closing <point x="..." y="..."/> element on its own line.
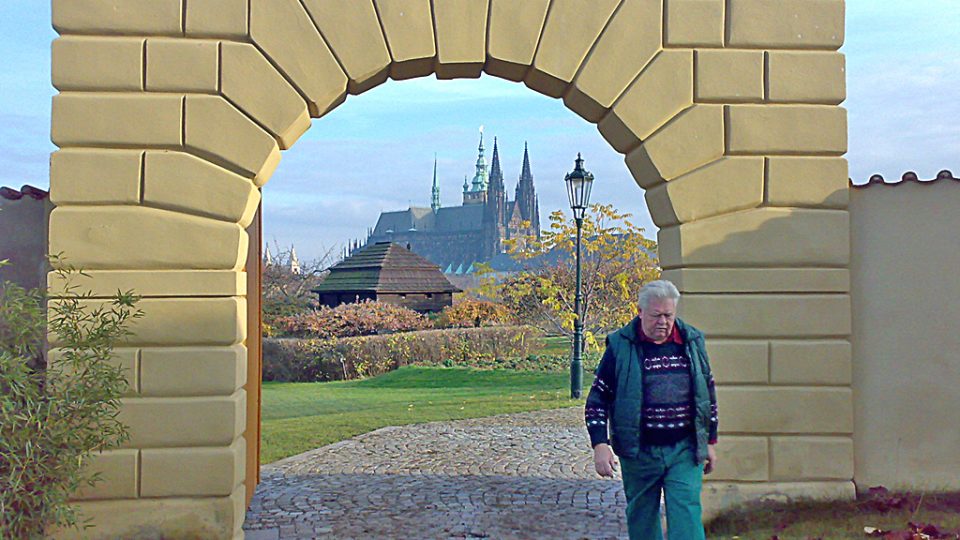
<point x="345" y="320"/>
<point x="55" y="414"/>
<point x="303" y="360"/>
<point x="471" y="312"/>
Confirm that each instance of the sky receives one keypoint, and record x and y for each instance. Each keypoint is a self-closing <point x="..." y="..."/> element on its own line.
<point x="375" y="152"/>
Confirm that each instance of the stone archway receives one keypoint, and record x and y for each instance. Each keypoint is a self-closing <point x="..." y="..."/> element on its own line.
<point x="172" y="114"/>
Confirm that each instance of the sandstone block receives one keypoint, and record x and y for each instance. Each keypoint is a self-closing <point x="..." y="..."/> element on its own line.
<point x="118" y="120"/>
<point x="352" y="31"/>
<point x="217" y="18"/>
<point x="182" y="517"/>
<point x="461" y="30"/>
<point x="760" y="237"/>
<point x="692" y="139"/>
<point x="91" y="176"/>
<point x="724" y="186"/>
<point x="788" y="24"/>
<point x="136" y="238"/>
<point x="759" y="280"/>
<point x="118" y="471"/>
<point x="189" y="321"/>
<point x="568" y="34"/>
<point x="774" y="315"/>
<point x="155" y="283"/>
<point x="801" y="181"/>
<point x="142" y="17"/>
<point x="126" y="358"/>
<point x="217" y="130"/>
<point x="408" y="28"/>
<point x="182" y="65"/>
<point x="182" y="422"/>
<point x="512" y="36"/>
<point x="785" y="410"/>
<point x="186" y="183"/>
<point x="811" y="458"/>
<point x="213" y="371"/>
<point x="172" y="472"/>
<point x="250" y="82"/>
<point x="786" y="129"/>
<point x="97" y="63"/>
<point x="810" y="362"/>
<point x="285" y="33"/>
<point x="660" y="92"/>
<point x="806" y="77"/>
<point x="729" y="76"/>
<point x="742" y="459"/>
<point x="719" y="496"/>
<point x="738" y="361"/>
<point x="694" y="23"/>
<point x="631" y="38"/>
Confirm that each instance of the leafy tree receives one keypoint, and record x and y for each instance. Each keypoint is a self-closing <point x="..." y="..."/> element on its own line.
<point x="616" y="261"/>
<point x="287" y="294"/>
<point x="56" y="412"/>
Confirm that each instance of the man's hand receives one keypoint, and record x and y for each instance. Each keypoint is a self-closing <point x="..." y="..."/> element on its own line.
<point x="604" y="460"/>
<point x="711" y="463"/>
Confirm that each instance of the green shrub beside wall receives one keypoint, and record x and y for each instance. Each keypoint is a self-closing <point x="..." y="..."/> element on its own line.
<point x="310" y="360"/>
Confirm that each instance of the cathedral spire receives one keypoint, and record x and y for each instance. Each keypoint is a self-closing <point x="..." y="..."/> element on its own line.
<point x="435" y="192"/>
<point x="526" y="194"/>
<point x="480" y="177"/>
<point x="496" y="174"/>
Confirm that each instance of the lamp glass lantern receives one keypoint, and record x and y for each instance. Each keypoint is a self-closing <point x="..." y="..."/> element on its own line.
<point x="579" y="183"/>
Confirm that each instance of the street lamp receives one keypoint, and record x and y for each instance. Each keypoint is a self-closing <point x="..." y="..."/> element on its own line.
<point x="579" y="182"/>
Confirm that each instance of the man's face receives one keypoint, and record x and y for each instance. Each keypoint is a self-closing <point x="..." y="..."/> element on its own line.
<point x="657" y="319"/>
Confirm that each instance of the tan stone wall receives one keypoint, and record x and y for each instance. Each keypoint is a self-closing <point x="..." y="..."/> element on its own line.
<point x="906" y="305"/>
<point x="172" y="112"/>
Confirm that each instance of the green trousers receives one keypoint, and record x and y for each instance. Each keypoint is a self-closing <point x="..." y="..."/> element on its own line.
<point x="674" y="470"/>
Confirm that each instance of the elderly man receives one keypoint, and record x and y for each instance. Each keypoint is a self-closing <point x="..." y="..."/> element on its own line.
<point x="654" y="392"/>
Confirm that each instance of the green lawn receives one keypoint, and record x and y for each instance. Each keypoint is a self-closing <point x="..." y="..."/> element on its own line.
<point x="300" y="416"/>
<point x="558" y="345"/>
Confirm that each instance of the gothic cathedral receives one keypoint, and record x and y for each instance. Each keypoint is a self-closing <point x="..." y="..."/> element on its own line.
<point x="458" y="237"/>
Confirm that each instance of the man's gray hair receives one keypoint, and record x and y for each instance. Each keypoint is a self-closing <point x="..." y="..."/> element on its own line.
<point x="658" y="289"/>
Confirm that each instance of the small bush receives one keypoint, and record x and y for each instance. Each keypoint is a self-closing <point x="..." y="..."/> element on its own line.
<point x="56" y="414"/>
<point x="307" y="360"/>
<point x="471" y="312"/>
<point x="347" y="320"/>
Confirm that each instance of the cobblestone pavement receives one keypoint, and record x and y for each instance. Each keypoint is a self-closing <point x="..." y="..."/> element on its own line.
<point x="527" y="475"/>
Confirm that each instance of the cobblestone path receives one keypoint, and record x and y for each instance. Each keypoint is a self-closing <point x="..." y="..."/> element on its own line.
<point x="527" y="475"/>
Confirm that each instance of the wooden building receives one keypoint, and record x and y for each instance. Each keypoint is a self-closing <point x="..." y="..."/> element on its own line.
<point x="387" y="272"/>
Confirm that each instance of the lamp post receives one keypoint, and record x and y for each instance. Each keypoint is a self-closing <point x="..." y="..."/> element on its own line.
<point x="579" y="182"/>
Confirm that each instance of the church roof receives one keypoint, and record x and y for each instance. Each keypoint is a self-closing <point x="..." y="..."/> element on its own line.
<point x="459" y="218"/>
<point x="415" y="217"/>
<point x="386" y="267"/>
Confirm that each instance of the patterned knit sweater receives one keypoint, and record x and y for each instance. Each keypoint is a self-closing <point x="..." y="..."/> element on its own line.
<point x="667" y="395"/>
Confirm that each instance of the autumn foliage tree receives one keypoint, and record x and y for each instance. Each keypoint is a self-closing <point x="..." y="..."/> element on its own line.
<point x="286" y="293"/>
<point x="616" y="261"/>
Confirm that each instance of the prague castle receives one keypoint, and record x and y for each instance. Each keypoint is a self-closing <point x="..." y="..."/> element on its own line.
<point x="457" y="237"/>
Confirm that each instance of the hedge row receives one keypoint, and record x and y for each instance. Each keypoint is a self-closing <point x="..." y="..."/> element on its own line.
<point x="307" y="360"/>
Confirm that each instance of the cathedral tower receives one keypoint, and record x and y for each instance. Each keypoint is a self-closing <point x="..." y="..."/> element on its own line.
<point x="526" y="195"/>
<point x="495" y="210"/>
<point x="477" y="194"/>
<point x="435" y="192"/>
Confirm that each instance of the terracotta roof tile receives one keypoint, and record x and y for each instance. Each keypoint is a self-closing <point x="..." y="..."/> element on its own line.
<point x="907" y="177"/>
<point x="26" y="190"/>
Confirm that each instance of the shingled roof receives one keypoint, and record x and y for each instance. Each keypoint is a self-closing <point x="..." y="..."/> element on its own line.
<point x="385" y="267"/>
